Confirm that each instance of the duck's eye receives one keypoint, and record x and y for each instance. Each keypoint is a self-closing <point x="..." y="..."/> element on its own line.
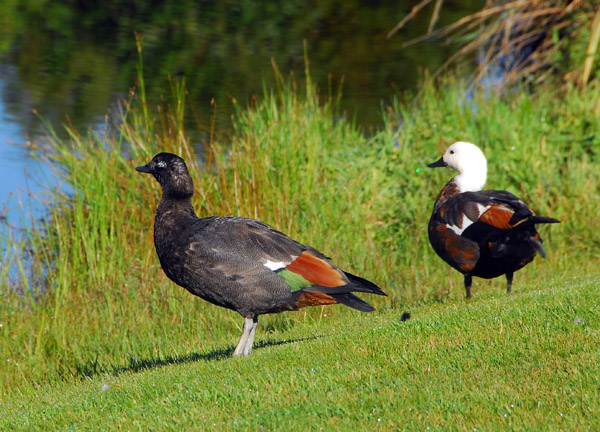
<point x="451" y="151"/>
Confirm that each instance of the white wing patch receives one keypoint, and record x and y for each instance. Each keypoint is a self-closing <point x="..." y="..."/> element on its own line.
<point x="458" y="230"/>
<point x="277" y="265"/>
<point x="482" y="209"/>
<point x="466" y="222"/>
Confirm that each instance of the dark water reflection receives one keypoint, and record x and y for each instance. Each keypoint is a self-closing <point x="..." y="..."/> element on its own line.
<point x="71" y="60"/>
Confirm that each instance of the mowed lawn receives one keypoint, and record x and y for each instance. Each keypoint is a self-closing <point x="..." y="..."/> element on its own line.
<point x="525" y="361"/>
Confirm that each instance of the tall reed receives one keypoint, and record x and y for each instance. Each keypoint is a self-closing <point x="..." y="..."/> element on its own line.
<point x="519" y="40"/>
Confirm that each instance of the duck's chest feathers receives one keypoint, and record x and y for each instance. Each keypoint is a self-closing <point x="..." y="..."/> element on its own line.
<point x="449" y="191"/>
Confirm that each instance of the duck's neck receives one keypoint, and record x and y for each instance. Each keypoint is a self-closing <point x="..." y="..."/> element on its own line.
<point x="177" y="207"/>
<point x="464" y="182"/>
<point x="472" y="180"/>
<point x="172" y="215"/>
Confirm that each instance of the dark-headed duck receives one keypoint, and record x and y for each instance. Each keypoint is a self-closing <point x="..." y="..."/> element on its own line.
<point x="239" y="263"/>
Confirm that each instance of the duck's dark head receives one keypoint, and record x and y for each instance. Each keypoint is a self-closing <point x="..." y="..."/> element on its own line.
<point x="171" y="172"/>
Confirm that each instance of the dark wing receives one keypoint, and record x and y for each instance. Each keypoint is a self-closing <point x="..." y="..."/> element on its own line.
<point x="254" y="241"/>
<point x="495" y="212"/>
<point x="264" y="261"/>
<point x="473" y="214"/>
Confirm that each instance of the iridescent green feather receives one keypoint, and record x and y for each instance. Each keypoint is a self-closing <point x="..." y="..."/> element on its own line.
<point x="294" y="280"/>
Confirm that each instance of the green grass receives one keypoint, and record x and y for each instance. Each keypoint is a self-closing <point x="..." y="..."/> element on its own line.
<point x="526" y="361"/>
<point x="92" y="303"/>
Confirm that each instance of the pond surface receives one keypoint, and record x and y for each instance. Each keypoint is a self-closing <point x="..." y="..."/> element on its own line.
<point x="73" y="61"/>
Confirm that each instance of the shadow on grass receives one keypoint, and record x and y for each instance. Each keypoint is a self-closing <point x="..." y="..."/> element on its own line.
<point x="92" y="368"/>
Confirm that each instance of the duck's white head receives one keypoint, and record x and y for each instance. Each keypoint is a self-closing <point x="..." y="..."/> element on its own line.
<point x="469" y="161"/>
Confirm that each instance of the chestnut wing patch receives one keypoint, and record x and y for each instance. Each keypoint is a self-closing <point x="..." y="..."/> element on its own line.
<point x="317" y="271"/>
<point x="314" y="298"/>
<point x="500" y="216"/>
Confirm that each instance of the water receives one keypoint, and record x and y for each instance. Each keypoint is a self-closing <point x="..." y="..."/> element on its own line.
<point x="73" y="63"/>
<point x="16" y="167"/>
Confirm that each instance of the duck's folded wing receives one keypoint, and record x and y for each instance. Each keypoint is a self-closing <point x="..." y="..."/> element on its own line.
<point x="234" y="240"/>
<point x="476" y="214"/>
<point x="266" y="249"/>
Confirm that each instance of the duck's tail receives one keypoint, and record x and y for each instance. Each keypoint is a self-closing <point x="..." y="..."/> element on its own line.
<point x="320" y="295"/>
<point x="543" y="219"/>
<point x="535" y="241"/>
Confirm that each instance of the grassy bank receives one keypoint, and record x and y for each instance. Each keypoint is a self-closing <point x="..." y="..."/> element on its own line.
<point x="101" y="304"/>
<point x="527" y="361"/>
